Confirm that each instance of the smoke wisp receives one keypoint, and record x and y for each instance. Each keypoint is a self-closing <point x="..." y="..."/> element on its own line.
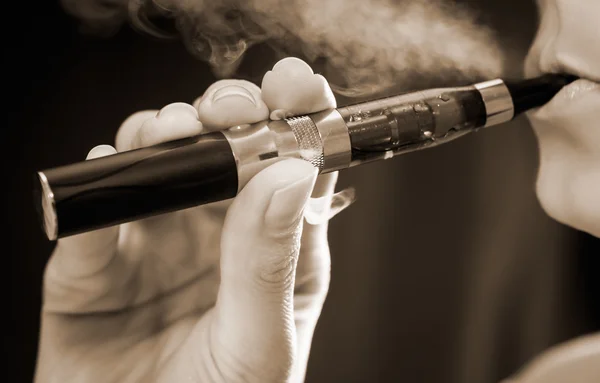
<point x="366" y="46"/>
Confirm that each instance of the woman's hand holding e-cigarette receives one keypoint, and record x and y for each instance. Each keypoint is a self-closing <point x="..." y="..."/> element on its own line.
<point x="220" y="293"/>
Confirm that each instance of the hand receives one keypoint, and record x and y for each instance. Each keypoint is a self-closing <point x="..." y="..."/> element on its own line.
<point x="228" y="292"/>
<point x="568" y="127"/>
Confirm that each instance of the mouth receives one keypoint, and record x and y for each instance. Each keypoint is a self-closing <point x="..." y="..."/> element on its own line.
<point x="585" y="84"/>
<point x="572" y="101"/>
<point x="577" y="89"/>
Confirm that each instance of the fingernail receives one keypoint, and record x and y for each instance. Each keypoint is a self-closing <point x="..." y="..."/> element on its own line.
<point x="230" y="91"/>
<point x="322" y="209"/>
<point x="288" y="203"/>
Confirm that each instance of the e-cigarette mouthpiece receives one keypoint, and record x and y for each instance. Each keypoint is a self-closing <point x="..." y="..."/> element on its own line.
<point x="215" y="166"/>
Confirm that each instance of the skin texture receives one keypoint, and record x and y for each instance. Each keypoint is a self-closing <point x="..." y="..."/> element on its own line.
<point x="568" y="127"/>
<point x="568" y="132"/>
<point x="229" y="292"/>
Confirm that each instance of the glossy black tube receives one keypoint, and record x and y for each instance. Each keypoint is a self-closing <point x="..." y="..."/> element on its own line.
<point x="535" y="92"/>
<point x="136" y="184"/>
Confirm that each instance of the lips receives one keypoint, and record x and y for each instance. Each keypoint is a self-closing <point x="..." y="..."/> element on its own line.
<point x="567" y="126"/>
<point x="570" y="121"/>
<point x="574" y="93"/>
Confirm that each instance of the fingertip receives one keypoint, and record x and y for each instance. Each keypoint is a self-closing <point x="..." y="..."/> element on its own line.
<point x="293" y="66"/>
<point x="101" y="151"/>
<point x="292" y="88"/>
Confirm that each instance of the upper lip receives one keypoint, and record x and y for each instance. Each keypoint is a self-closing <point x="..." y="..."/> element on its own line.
<point x="561" y="66"/>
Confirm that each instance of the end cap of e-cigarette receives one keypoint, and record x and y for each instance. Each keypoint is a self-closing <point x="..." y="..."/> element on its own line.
<point x="46" y="207"/>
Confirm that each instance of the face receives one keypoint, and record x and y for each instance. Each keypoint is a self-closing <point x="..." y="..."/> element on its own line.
<point x="568" y="127"/>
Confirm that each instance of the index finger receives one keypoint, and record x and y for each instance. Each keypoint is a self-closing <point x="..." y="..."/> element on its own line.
<point x="292" y="88"/>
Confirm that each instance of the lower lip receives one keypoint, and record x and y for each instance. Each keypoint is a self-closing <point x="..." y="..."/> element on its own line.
<point x="571" y="115"/>
<point x="575" y="91"/>
<point x="570" y="96"/>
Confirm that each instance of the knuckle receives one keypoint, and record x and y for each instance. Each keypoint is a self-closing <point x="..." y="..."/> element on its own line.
<point x="277" y="267"/>
<point x="276" y="276"/>
<point x="129" y="128"/>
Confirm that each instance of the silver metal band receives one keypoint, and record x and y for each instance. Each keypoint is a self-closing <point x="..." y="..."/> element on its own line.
<point x="48" y="206"/>
<point x="256" y="146"/>
<point x="337" y="149"/>
<point x="498" y="102"/>
<point x="320" y="138"/>
<point x="309" y="140"/>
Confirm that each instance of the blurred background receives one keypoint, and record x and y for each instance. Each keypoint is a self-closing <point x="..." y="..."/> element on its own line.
<point x="444" y="270"/>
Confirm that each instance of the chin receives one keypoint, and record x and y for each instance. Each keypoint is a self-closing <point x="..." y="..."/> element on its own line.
<point x="568" y="189"/>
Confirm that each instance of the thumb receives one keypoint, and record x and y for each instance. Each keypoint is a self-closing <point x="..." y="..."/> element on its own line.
<point x="254" y="317"/>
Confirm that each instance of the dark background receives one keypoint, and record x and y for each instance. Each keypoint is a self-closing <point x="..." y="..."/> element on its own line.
<point x="445" y="270"/>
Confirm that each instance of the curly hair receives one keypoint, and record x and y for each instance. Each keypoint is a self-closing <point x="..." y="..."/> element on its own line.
<point x="368" y="45"/>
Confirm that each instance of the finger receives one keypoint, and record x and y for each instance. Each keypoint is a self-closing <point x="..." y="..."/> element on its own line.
<point x="84" y="248"/>
<point x="292" y="88"/>
<point x="174" y="121"/>
<point x="228" y="103"/>
<point x="147" y="128"/>
<point x="78" y="257"/>
<point x="259" y="250"/>
<point x="101" y="284"/>
<point x="312" y="276"/>
<point x="129" y="128"/>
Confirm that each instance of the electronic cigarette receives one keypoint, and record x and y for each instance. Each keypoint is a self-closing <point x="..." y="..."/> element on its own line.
<point x="215" y="166"/>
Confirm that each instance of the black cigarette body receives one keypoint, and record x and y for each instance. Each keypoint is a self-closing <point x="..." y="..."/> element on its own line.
<point x="210" y="167"/>
<point x="136" y="184"/>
